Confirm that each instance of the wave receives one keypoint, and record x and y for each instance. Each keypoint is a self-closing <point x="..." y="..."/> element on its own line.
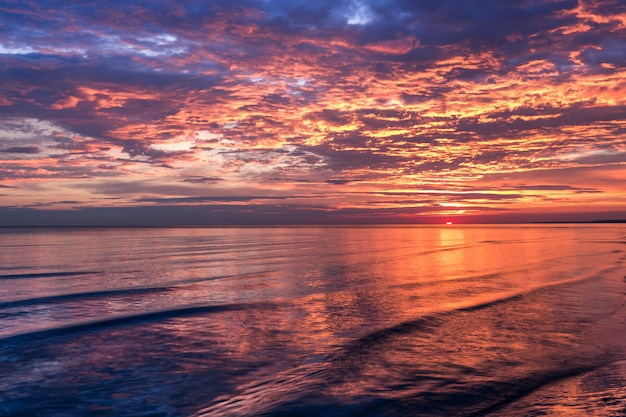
<point x="61" y="298"/>
<point x="49" y="274"/>
<point x="127" y="320"/>
<point x="255" y="274"/>
<point x="361" y="344"/>
<point x="7" y="268"/>
<point x="504" y="393"/>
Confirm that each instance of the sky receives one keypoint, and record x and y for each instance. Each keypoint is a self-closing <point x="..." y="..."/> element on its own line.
<point x="296" y="111"/>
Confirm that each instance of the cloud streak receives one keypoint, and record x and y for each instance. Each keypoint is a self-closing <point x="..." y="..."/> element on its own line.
<point x="342" y="105"/>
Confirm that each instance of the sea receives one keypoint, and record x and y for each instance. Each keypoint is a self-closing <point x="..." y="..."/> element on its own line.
<point x="438" y="320"/>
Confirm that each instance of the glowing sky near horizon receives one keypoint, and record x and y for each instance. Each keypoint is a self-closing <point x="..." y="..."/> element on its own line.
<point x="311" y="111"/>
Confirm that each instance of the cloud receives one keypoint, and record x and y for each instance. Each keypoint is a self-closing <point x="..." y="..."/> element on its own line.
<point x="203" y="180"/>
<point x="150" y="101"/>
<point x="205" y="199"/>
<point x="540" y="187"/>
<point x="338" y="181"/>
<point x="32" y="150"/>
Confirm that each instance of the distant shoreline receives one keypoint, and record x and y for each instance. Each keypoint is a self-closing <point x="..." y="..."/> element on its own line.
<point x="583" y="222"/>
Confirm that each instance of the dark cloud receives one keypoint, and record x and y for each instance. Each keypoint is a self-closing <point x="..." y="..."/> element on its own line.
<point x="506" y="123"/>
<point x="203" y="180"/>
<point x="31" y="150"/>
<point x="610" y="52"/>
<point x="203" y="199"/>
<point x="338" y="181"/>
<point x="340" y="160"/>
<point x="137" y="148"/>
<point x="553" y="188"/>
<point x="335" y="117"/>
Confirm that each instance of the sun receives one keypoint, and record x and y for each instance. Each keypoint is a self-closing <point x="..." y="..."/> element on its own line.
<point x="448" y="222"/>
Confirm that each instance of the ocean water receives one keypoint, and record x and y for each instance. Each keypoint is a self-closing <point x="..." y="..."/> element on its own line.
<point x="517" y="320"/>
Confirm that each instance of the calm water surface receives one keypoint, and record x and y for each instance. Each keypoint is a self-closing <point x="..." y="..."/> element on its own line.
<point x="314" y="321"/>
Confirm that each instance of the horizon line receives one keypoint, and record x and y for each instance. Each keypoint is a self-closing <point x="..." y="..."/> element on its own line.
<point x="295" y="225"/>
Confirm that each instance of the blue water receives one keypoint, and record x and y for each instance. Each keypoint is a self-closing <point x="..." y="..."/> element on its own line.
<point x="314" y="321"/>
